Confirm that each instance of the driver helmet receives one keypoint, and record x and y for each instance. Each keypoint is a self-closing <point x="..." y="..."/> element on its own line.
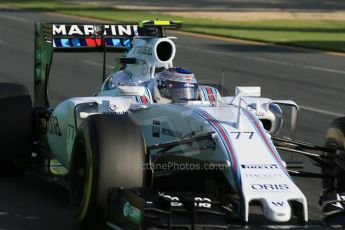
<point x="177" y="83"/>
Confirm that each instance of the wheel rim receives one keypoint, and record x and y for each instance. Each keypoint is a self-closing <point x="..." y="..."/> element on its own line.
<point x="81" y="180"/>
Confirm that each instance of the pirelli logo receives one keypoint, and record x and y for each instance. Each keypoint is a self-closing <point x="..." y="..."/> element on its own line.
<point x="259" y="166"/>
<point x="89" y="30"/>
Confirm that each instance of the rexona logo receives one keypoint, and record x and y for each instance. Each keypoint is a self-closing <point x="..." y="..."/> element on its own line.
<point x="270" y="187"/>
<point x="259" y="166"/>
<point x="87" y="30"/>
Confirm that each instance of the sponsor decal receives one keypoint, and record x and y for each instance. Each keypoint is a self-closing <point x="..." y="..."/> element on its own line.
<point x="259" y="166"/>
<point x="189" y="85"/>
<point x="175" y="201"/>
<point x="253" y="110"/>
<point x="338" y="204"/>
<point x="278" y="203"/>
<point x="156" y="128"/>
<point x="54" y="127"/>
<point x="88" y="30"/>
<point x="263" y="175"/>
<point x="131" y="212"/>
<point x="171" y="133"/>
<point x="113" y="108"/>
<point x="143" y="50"/>
<point x="270" y="187"/>
<point x="200" y="202"/>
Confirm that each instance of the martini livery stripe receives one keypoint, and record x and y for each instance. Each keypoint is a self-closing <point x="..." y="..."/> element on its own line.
<point x="143" y="99"/>
<point x="148" y="94"/>
<point x="203" y="93"/>
<point x="90" y="42"/>
<point x="266" y="141"/>
<point x="223" y="134"/>
<point x="209" y="93"/>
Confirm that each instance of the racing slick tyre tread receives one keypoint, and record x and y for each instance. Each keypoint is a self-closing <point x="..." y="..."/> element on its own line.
<point x="16" y="128"/>
<point x="108" y="152"/>
<point x="335" y="138"/>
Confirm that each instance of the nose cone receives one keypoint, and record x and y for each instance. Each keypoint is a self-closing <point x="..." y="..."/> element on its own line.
<point x="277" y="210"/>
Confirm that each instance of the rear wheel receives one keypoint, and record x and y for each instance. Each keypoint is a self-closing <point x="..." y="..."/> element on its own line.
<point x="108" y="153"/>
<point x="16" y="124"/>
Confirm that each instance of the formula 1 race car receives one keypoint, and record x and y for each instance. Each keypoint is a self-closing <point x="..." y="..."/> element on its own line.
<point x="131" y="161"/>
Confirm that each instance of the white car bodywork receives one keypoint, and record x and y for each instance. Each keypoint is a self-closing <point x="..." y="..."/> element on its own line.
<point x="257" y="172"/>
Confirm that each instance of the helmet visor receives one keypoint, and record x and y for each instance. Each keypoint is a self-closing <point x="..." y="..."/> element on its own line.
<point x="182" y="90"/>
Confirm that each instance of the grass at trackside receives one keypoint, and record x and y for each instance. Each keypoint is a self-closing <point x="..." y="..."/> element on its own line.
<point x="324" y="35"/>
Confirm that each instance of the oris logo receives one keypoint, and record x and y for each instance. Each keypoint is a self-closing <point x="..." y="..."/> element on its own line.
<point x="270" y="187"/>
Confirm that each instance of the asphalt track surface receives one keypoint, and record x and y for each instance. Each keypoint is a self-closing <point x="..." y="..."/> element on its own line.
<point x="236" y="5"/>
<point x="314" y="80"/>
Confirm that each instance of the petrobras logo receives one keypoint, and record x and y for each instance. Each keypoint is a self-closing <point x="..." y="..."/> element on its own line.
<point x="89" y="30"/>
<point x="259" y="166"/>
<point x="270" y="187"/>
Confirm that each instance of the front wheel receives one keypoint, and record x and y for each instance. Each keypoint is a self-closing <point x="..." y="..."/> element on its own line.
<point x="16" y="125"/>
<point x="334" y="187"/>
<point x="335" y="138"/>
<point x="108" y="153"/>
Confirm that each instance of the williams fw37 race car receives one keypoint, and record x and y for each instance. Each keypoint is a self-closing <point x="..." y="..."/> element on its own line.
<point x="155" y="149"/>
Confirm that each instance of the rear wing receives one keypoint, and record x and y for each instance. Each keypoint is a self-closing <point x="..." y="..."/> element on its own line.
<point x="68" y="37"/>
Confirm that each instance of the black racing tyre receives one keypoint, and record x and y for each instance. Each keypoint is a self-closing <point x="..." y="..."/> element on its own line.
<point x="16" y="128"/>
<point x="335" y="138"/>
<point x="108" y="152"/>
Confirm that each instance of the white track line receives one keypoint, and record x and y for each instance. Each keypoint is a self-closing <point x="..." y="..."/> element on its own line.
<point x="97" y="64"/>
<point x="259" y="59"/>
<point x="16" y="18"/>
<point x="311" y="109"/>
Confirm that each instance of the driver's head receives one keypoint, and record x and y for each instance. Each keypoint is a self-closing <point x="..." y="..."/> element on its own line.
<point x="177" y="83"/>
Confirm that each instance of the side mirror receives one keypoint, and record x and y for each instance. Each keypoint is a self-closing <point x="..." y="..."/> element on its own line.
<point x="248" y="91"/>
<point x="294" y="114"/>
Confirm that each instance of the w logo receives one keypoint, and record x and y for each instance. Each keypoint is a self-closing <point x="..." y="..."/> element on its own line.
<point x="277" y="203"/>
